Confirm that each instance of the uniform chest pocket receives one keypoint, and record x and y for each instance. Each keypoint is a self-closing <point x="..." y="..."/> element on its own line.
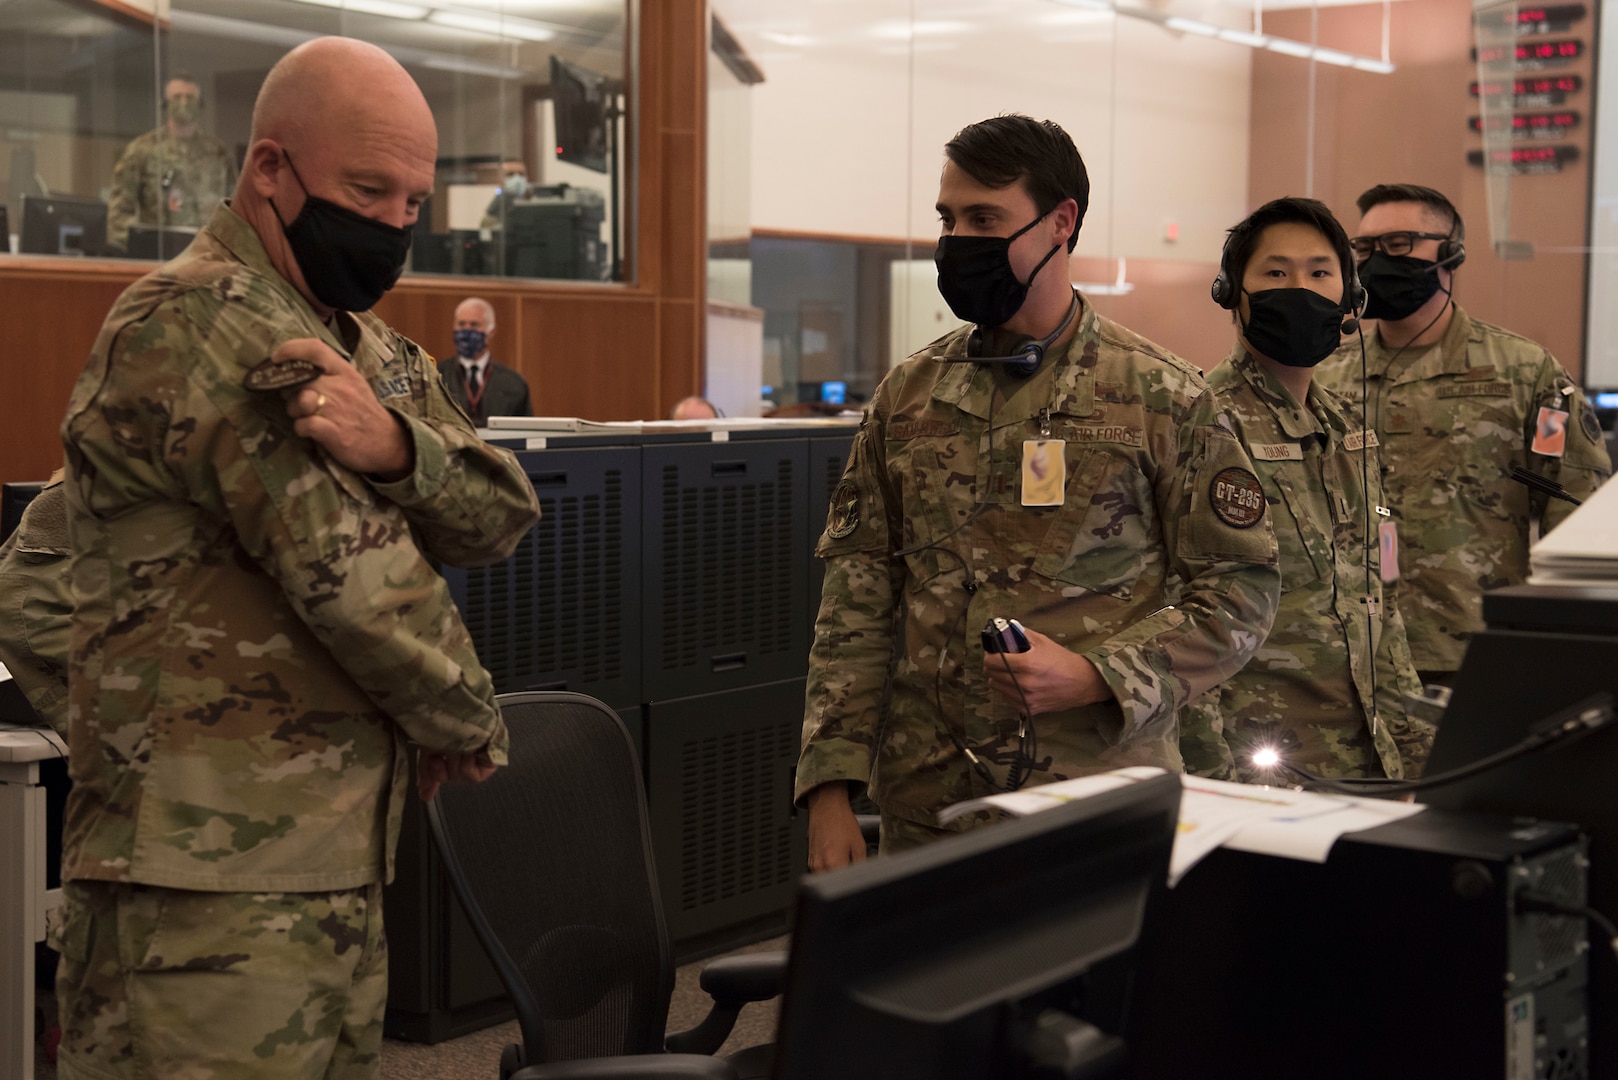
<point x="1101" y="537"/>
<point x="935" y="477"/>
<point x="1303" y="523"/>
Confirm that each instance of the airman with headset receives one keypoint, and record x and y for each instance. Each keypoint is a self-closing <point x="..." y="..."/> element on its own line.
<point x="1324" y="696"/>
<point x="1045" y="465"/>
<point x="1457" y="405"/>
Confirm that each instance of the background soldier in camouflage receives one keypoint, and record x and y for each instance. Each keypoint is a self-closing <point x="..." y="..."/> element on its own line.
<point x="1101" y="501"/>
<point x="1308" y="692"/>
<point x="175" y="174"/>
<point x="1457" y="404"/>
<point x="36" y="604"/>
<point x="258" y="632"/>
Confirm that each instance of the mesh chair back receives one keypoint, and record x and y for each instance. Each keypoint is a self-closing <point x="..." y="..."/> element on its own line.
<point x="552" y="859"/>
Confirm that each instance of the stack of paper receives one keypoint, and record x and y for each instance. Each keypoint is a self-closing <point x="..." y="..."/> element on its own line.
<point x="1213" y="813"/>
<point x="1583" y="550"/>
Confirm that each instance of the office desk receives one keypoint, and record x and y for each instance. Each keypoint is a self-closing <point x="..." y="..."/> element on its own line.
<point x="23" y="896"/>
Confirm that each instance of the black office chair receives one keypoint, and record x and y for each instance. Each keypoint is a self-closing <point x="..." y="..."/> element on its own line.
<point x="552" y="859"/>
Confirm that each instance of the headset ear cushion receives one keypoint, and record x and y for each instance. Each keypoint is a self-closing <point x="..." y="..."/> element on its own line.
<point x="1452" y="249"/>
<point x="1220" y="290"/>
<point x="974" y="342"/>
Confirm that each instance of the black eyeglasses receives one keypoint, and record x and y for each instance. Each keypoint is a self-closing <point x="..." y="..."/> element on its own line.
<point x="1392" y="243"/>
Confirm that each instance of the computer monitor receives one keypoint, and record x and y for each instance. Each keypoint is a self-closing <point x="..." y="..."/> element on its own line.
<point x="938" y="962"/>
<point x="579" y="102"/>
<point x="834" y="392"/>
<point x="161" y="242"/>
<point x="63" y="225"/>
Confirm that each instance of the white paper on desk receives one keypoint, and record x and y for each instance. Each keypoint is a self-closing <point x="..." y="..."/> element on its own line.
<point x="4" y="674"/>
<point x="1275" y="821"/>
<point x="1213" y="813"/>
<point x="1047" y="796"/>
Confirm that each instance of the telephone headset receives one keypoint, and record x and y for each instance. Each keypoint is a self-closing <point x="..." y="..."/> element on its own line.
<point x="1026" y="353"/>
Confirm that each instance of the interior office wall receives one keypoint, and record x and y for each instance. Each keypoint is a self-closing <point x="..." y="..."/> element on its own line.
<point x="1412" y="126"/>
<point x="855" y="109"/>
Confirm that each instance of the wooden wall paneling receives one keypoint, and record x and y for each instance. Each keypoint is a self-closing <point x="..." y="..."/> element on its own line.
<point x="51" y="316"/>
<point x="594" y="363"/>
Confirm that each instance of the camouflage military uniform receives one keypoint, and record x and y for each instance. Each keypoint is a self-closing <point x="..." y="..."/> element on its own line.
<point x="36" y="605"/>
<point x="1454" y="418"/>
<point x="1148" y="568"/>
<point x="1305" y="691"/>
<point x="162" y="180"/>
<point x="257" y="632"/>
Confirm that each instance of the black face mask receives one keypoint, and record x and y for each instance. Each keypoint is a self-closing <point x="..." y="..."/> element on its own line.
<point x="1295" y="327"/>
<point x="348" y="259"/>
<point x="976" y="278"/>
<point x="1398" y="284"/>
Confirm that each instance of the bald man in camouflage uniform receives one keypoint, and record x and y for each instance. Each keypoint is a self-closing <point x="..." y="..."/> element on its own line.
<point x="259" y="635"/>
<point x="174" y="175"/>
<point x="1102" y="501"/>
<point x="1457" y="403"/>
<point x="36" y="604"/>
<point x="1335" y="647"/>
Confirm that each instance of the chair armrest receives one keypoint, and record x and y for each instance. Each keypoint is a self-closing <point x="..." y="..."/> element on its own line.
<point x="748" y="977"/>
<point x="635" y="1067"/>
<point x="870" y="828"/>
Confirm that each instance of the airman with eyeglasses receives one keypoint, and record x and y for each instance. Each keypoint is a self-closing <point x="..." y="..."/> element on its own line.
<point x="1456" y="404"/>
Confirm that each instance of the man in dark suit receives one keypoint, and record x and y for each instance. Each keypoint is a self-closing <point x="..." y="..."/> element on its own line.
<point x="478" y="384"/>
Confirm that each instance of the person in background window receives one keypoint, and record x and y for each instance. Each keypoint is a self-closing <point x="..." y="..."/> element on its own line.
<point x="173" y="175"/>
<point x="479" y="384"/>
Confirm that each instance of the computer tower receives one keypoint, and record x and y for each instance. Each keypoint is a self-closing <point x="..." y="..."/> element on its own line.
<point x="728" y="844"/>
<point x="727" y="527"/>
<point x="1402" y="957"/>
<point x="561" y="613"/>
<point x="555" y="232"/>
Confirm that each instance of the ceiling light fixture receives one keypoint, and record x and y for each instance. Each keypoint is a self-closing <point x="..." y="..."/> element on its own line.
<point x="386" y="8"/>
<point x="493" y="25"/>
<point x="1303" y="50"/>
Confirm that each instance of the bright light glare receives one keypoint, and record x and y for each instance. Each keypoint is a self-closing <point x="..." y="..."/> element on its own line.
<point x="1267" y="758"/>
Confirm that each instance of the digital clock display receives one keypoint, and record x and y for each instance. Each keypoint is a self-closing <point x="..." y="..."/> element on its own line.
<point x="1532" y="54"/>
<point x="1552" y="125"/>
<point x="1528" y="160"/>
<point x="1544" y="84"/>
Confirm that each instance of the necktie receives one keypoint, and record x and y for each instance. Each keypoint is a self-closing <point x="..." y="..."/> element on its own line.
<point x="472" y="381"/>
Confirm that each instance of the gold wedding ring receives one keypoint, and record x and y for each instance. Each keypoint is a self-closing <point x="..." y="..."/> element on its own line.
<point x="320" y="402"/>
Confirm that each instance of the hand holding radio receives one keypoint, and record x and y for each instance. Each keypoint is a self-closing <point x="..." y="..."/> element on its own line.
<point x="1044" y="676"/>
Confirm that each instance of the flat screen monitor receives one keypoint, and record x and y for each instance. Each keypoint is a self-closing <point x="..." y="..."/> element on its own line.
<point x="161" y="242"/>
<point x="941" y="962"/>
<point x="63" y="225"/>
<point x="579" y="100"/>
<point x="834" y="393"/>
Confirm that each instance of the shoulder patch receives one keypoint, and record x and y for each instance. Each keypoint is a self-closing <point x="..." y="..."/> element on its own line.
<point x="284" y="375"/>
<point x="1237" y="498"/>
<point x="1588" y="421"/>
<point x="843" y="517"/>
